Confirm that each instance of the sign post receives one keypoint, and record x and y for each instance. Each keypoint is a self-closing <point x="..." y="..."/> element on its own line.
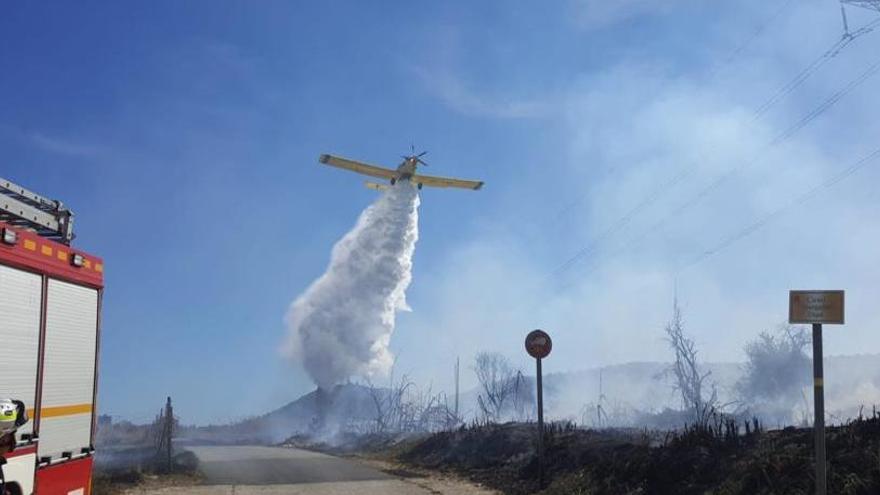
<point x="817" y="307"/>
<point x="538" y="345"/>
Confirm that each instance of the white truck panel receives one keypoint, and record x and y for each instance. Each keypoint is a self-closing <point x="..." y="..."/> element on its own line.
<point x="70" y="433"/>
<point x="20" y="301"/>
<point x="20" y="469"/>
<point x="68" y="369"/>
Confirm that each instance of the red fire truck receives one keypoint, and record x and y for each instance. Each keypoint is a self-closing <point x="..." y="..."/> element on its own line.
<point x="50" y="307"/>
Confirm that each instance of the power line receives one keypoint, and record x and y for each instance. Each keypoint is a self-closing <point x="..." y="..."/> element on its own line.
<point x="830" y="53"/>
<point x="761" y="222"/>
<point x="755" y="34"/>
<point x="830" y="102"/>
<point x="793" y="84"/>
<point x="717" y="68"/>
<point x="779" y="139"/>
<point x="622" y="222"/>
<point x="814" y="66"/>
<point x="784" y="135"/>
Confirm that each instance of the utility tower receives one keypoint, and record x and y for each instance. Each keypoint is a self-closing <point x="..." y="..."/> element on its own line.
<point x="867" y="4"/>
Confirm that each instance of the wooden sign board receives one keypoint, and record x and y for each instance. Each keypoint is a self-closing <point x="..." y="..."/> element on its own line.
<point x="815" y="306"/>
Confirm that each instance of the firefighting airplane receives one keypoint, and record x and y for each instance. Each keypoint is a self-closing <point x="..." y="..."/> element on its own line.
<point x="405" y="171"/>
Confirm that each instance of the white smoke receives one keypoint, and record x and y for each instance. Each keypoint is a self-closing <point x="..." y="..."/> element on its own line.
<point x="342" y="324"/>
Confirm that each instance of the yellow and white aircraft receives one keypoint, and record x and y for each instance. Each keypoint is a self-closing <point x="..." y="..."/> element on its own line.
<point x="405" y="171"/>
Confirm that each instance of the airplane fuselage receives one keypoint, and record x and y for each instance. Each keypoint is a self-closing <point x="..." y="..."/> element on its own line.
<point x="407" y="169"/>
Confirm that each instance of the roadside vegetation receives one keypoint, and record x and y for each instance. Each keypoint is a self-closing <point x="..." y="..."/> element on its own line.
<point x="720" y="456"/>
<point x="133" y="456"/>
<point x="708" y="444"/>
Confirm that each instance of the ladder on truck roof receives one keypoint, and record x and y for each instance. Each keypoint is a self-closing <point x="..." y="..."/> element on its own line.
<point x="27" y="209"/>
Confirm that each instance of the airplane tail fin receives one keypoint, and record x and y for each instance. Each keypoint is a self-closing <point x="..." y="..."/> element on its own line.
<point x="377" y="187"/>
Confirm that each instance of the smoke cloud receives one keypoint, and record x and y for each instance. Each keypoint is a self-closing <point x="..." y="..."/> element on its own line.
<point x="342" y="324"/>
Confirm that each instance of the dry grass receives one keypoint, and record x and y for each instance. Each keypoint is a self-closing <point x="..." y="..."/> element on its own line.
<point x="719" y="455"/>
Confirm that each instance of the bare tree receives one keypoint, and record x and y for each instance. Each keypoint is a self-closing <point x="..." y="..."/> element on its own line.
<point x="524" y="402"/>
<point x="390" y="403"/>
<point x="379" y="398"/>
<point x="403" y="407"/>
<point x="690" y="381"/>
<point x="498" y="384"/>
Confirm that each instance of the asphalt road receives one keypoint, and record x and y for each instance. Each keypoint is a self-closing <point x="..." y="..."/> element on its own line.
<point x="271" y="470"/>
<point x="277" y="466"/>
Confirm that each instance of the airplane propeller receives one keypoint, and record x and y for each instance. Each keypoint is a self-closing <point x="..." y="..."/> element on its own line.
<point x="418" y="157"/>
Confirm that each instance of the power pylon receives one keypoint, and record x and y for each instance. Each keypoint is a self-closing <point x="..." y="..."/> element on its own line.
<point x="866" y="4"/>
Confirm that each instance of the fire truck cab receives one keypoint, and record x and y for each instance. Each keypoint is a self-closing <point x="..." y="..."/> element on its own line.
<point x="50" y="307"/>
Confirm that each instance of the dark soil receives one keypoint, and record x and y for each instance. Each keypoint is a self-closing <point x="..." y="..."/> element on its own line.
<point x="719" y="458"/>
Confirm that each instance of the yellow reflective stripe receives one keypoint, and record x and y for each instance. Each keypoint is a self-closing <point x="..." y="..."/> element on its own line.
<point x="46" y="249"/>
<point x="54" y="412"/>
<point x="30" y="245"/>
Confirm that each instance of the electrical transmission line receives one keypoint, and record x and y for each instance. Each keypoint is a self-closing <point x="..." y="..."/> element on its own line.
<point x="869" y="159"/>
<point x="712" y="73"/>
<point x="622" y="222"/>
<point x="844" y="41"/>
<point x="779" y="139"/>
<point x="814" y="67"/>
<point x="782" y="137"/>
<point x="757" y="32"/>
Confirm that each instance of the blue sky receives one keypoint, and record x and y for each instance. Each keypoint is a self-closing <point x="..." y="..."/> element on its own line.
<point x="185" y="136"/>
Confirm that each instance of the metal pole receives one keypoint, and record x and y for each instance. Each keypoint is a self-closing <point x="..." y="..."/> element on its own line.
<point x="819" y="409"/>
<point x="169" y="425"/>
<point x="540" y="426"/>
<point x="457" y="363"/>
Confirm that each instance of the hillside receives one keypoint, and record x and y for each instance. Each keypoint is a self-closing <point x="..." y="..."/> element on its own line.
<point x="345" y="406"/>
<point x="628" y="392"/>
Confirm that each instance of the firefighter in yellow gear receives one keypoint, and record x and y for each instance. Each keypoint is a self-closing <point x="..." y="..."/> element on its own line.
<point x="13" y="415"/>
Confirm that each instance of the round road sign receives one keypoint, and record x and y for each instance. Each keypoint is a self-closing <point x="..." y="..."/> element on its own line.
<point x="538" y="344"/>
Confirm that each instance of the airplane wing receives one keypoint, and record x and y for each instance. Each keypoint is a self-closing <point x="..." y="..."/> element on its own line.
<point x="359" y="167"/>
<point x="446" y="182"/>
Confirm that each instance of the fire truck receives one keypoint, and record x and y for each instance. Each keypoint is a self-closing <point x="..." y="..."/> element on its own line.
<point x="50" y="317"/>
